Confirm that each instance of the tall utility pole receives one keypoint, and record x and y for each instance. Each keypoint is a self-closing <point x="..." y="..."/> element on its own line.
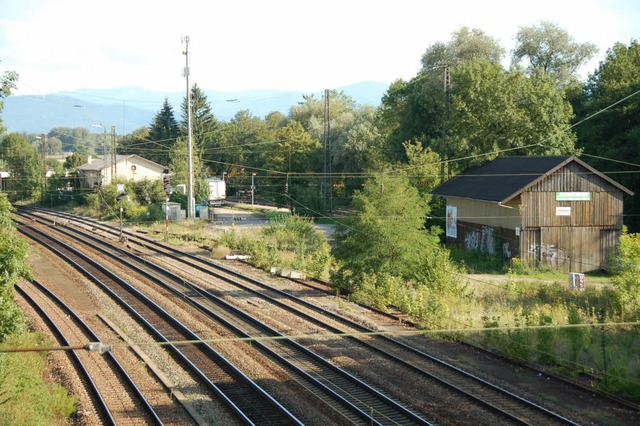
<point x="191" y="213"/>
<point x="43" y="141"/>
<point x="113" y="153"/>
<point x="327" y="179"/>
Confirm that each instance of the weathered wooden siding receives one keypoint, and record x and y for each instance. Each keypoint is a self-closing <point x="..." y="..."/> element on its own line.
<point x="569" y="249"/>
<point x="581" y="241"/>
<point x="604" y="209"/>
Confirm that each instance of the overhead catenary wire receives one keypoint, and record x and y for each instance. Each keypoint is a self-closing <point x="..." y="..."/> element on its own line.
<point x="93" y="346"/>
<point x="389" y="173"/>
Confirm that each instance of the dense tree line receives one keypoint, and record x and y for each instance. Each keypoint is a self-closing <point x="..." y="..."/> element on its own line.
<point x="461" y="109"/>
<point x="608" y="122"/>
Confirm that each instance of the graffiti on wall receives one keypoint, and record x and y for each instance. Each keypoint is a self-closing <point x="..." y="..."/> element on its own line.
<point x="548" y="253"/>
<point x="506" y="250"/>
<point x="488" y="244"/>
<point x="481" y="240"/>
<point x="472" y="240"/>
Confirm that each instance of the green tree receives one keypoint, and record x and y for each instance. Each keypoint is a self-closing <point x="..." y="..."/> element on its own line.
<point x="355" y="139"/>
<point x="24" y="165"/>
<point x="136" y="142"/>
<point x="609" y="137"/>
<point x="386" y="235"/>
<point x="77" y="139"/>
<point x="466" y="44"/>
<point x="13" y="256"/>
<point x="549" y="48"/>
<point x="179" y="169"/>
<point x="423" y="168"/>
<point x="489" y="111"/>
<point x="627" y="276"/>
<point x="295" y="153"/>
<point x="7" y="83"/>
<point x="163" y="132"/>
<point x="203" y="127"/>
<point x="203" y="122"/>
<point x="245" y="142"/>
<point x="294" y="150"/>
<point x="72" y="162"/>
<point x="360" y="150"/>
<point x="494" y="112"/>
<point x="53" y="145"/>
<point x="417" y="110"/>
<point x="275" y="119"/>
<point x="464" y="104"/>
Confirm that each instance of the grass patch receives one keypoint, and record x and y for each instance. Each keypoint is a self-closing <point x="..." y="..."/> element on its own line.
<point x="475" y="262"/>
<point x="26" y="398"/>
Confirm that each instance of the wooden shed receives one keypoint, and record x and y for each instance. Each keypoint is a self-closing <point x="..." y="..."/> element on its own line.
<point x="549" y="210"/>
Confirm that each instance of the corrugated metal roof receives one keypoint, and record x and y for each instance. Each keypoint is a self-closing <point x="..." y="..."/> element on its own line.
<point x="505" y="177"/>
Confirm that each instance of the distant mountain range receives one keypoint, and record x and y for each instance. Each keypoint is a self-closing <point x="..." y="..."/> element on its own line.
<point x="130" y="108"/>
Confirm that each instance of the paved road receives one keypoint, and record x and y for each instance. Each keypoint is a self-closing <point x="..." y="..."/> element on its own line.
<point x="229" y="216"/>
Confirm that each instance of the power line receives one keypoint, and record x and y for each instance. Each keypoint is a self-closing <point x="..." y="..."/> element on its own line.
<point x="102" y="347"/>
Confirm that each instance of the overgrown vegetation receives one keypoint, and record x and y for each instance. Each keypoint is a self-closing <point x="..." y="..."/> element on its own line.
<point x="25" y="398"/>
<point x="143" y="202"/>
<point x="533" y="316"/>
<point x="386" y="257"/>
<point x="13" y="254"/>
<point x="289" y="242"/>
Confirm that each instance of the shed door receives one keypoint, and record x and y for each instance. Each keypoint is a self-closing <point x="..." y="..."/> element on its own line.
<point x="530" y="250"/>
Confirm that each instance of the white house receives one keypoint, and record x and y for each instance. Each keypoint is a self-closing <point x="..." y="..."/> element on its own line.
<point x="125" y="168"/>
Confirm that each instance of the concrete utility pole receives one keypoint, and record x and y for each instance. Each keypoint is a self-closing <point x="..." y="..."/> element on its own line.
<point x="191" y="209"/>
<point x="113" y="153"/>
<point x="43" y="142"/>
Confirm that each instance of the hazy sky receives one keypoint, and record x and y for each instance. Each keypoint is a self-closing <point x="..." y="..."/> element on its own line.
<point x="61" y="45"/>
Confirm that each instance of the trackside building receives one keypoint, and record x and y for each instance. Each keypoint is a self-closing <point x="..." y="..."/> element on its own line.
<point x="547" y="210"/>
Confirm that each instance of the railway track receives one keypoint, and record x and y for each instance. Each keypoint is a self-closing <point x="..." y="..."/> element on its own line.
<point x="341" y="391"/>
<point x="115" y="397"/>
<point x="512" y="407"/>
<point x="243" y="396"/>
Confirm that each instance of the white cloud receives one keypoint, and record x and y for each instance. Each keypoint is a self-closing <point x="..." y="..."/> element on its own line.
<point x="282" y="44"/>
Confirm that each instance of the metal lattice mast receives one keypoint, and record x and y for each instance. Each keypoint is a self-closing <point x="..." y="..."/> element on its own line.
<point x="447" y="96"/>
<point x="327" y="177"/>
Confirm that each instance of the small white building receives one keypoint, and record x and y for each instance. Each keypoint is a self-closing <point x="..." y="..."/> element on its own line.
<point x="3" y="182"/>
<point x="133" y="168"/>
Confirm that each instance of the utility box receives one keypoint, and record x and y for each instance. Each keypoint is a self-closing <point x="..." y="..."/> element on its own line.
<point x="576" y="281"/>
<point x="202" y="211"/>
<point x="174" y="210"/>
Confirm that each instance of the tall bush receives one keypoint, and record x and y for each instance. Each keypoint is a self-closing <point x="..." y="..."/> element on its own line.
<point x="13" y="254"/>
<point x="627" y="276"/>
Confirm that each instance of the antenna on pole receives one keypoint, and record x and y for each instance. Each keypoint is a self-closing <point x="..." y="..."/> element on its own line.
<point x="190" y="203"/>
